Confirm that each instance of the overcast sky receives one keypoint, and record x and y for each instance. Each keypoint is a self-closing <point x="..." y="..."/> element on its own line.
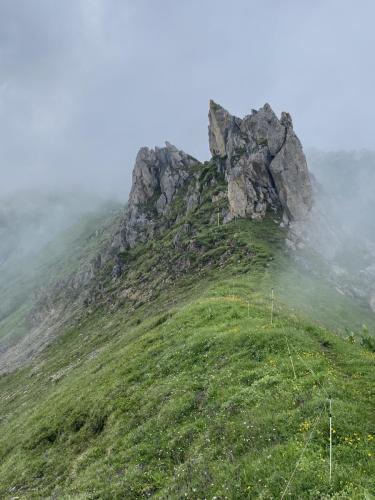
<point x="85" y="83"/>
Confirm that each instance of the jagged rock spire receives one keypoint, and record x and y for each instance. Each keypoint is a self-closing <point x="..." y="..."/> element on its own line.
<point x="263" y="161"/>
<point x="158" y="174"/>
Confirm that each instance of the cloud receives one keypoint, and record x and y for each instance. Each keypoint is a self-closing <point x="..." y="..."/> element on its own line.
<point x="85" y="83"/>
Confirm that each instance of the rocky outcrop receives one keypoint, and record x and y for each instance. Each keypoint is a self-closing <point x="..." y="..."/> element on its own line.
<point x="158" y="173"/>
<point x="263" y="161"/>
<point x="260" y="156"/>
<point x="157" y="176"/>
<point x="257" y="165"/>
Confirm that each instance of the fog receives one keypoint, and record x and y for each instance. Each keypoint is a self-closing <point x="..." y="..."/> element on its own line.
<point x="30" y="219"/>
<point x="85" y="83"/>
<point x="346" y="191"/>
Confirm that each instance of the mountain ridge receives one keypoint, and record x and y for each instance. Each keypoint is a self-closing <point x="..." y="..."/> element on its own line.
<point x="260" y="158"/>
<point x="196" y="354"/>
<point x="256" y="171"/>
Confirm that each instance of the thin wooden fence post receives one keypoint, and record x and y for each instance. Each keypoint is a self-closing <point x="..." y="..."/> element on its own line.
<point x="330" y="438"/>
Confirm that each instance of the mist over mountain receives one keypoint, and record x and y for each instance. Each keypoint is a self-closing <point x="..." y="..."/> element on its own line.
<point x="41" y="233"/>
<point x="346" y="181"/>
<point x="183" y="314"/>
<point x="85" y="84"/>
<point x="259" y="159"/>
<point x="31" y="219"/>
<point x="200" y="329"/>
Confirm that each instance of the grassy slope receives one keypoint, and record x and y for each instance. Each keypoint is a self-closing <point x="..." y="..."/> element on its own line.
<point x="192" y="395"/>
<point x="21" y="278"/>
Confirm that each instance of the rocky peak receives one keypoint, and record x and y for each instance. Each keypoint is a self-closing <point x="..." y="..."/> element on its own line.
<point x="263" y="162"/>
<point x="260" y="156"/>
<point x="158" y="174"/>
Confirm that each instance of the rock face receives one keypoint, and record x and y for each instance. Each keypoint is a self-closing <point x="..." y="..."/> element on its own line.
<point x="157" y="176"/>
<point x="263" y="161"/>
<point x="260" y="156"/>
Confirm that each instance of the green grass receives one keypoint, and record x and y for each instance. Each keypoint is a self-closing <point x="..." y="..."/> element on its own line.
<point x="21" y="281"/>
<point x="191" y="393"/>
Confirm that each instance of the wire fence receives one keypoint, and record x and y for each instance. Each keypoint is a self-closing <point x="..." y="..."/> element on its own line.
<point x="277" y="320"/>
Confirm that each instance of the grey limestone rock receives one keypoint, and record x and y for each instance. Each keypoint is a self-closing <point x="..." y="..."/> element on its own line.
<point x="157" y="176"/>
<point x="260" y="156"/>
<point x="263" y="162"/>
